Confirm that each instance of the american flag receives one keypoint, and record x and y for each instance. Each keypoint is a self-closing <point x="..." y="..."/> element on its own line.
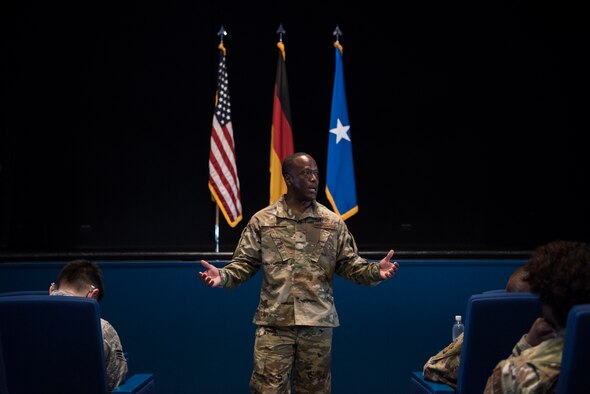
<point x="223" y="172"/>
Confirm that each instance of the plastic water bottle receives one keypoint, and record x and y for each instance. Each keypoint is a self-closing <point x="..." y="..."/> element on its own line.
<point x="458" y="327"/>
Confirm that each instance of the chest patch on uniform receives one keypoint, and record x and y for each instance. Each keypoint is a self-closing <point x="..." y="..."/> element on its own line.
<point x="300" y="240"/>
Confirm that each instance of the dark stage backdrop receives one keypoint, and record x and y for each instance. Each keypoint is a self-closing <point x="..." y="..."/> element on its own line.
<point x="467" y="119"/>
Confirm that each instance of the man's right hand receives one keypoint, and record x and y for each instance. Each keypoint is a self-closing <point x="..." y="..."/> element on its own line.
<point x="211" y="277"/>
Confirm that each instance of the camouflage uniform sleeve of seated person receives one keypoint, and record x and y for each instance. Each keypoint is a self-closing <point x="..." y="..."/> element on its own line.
<point x="444" y="365"/>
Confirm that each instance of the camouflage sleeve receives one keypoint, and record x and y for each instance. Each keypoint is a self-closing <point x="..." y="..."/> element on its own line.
<point x="494" y="383"/>
<point x="350" y="265"/>
<point x="115" y="362"/>
<point x="520" y="346"/>
<point x="533" y="370"/>
<point x="246" y="260"/>
<point x="444" y="366"/>
<point x="515" y="375"/>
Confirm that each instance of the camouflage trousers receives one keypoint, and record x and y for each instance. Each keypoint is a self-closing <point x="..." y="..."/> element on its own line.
<point x="297" y="357"/>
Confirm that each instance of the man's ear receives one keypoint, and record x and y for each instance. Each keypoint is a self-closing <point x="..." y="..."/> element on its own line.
<point x="93" y="293"/>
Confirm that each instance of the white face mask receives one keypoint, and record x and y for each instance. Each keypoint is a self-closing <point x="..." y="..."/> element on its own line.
<point x="62" y="293"/>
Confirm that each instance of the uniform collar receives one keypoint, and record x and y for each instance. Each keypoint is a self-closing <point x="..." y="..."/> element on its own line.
<point x="282" y="210"/>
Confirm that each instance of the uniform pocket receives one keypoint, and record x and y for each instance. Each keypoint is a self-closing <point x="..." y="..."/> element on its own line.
<point x="273" y="244"/>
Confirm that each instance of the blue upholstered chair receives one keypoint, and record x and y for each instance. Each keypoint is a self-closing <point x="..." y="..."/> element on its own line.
<point x="494" y="322"/>
<point x="54" y="345"/>
<point x="25" y="292"/>
<point x="573" y="378"/>
<point x="3" y="388"/>
<point x="420" y="385"/>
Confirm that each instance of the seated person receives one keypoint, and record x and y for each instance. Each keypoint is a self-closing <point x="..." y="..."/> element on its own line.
<point x="444" y="366"/>
<point x="83" y="278"/>
<point x="560" y="273"/>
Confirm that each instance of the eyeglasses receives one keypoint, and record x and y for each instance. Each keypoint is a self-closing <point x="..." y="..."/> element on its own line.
<point x="309" y="173"/>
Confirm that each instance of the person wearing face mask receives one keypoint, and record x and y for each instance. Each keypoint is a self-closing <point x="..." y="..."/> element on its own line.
<point x="83" y="278"/>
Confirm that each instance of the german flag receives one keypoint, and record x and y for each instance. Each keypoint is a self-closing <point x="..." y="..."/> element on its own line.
<point x="281" y="141"/>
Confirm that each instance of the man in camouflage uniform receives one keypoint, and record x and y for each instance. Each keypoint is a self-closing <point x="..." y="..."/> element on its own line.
<point x="560" y="273"/>
<point x="299" y="244"/>
<point x="444" y="365"/>
<point x="83" y="278"/>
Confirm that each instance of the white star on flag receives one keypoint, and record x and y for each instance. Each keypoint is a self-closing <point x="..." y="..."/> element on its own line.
<point x="340" y="131"/>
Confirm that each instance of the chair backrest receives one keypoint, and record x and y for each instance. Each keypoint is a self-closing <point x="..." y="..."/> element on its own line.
<point x="494" y="322"/>
<point x="3" y="388"/>
<point x="24" y="292"/>
<point x="494" y="291"/>
<point x="575" y="360"/>
<point x="52" y="344"/>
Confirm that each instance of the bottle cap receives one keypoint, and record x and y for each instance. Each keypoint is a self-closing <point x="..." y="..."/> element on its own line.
<point x="457" y="317"/>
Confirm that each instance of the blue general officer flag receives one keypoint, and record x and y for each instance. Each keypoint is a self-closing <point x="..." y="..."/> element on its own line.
<point x="340" y="186"/>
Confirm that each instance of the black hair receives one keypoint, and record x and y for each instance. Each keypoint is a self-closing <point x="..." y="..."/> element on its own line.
<point x="82" y="274"/>
<point x="560" y="273"/>
<point x="289" y="162"/>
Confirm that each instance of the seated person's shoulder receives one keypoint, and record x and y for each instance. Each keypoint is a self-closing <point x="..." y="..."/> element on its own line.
<point x="444" y="365"/>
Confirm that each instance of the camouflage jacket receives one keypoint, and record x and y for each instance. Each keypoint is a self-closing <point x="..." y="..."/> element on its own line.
<point x="529" y="370"/>
<point x="115" y="361"/>
<point x="444" y="365"/>
<point x="299" y="255"/>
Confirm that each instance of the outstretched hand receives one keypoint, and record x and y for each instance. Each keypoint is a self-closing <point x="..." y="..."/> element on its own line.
<point x="210" y="277"/>
<point x="386" y="268"/>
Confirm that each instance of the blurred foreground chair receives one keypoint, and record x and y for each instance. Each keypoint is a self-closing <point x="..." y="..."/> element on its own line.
<point x="25" y="292"/>
<point x="53" y="345"/>
<point x="575" y="361"/>
<point x="494" y="322"/>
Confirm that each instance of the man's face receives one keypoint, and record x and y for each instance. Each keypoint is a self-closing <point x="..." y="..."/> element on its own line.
<point x="304" y="179"/>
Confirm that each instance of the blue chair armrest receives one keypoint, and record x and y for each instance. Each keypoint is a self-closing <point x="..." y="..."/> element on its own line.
<point x="141" y="383"/>
<point x="420" y="385"/>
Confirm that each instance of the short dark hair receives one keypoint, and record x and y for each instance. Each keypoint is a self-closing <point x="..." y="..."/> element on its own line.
<point x="81" y="274"/>
<point x="289" y="162"/>
<point x="560" y="273"/>
<point x="517" y="281"/>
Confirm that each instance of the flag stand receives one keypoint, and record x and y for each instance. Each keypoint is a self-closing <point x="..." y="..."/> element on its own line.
<point x="216" y="231"/>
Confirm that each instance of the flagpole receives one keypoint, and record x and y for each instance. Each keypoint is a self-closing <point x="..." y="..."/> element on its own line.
<point x="337" y="33"/>
<point x="340" y="185"/>
<point x="281" y="140"/>
<point x="220" y="33"/>
<point x="216" y="228"/>
<point x="223" y="172"/>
